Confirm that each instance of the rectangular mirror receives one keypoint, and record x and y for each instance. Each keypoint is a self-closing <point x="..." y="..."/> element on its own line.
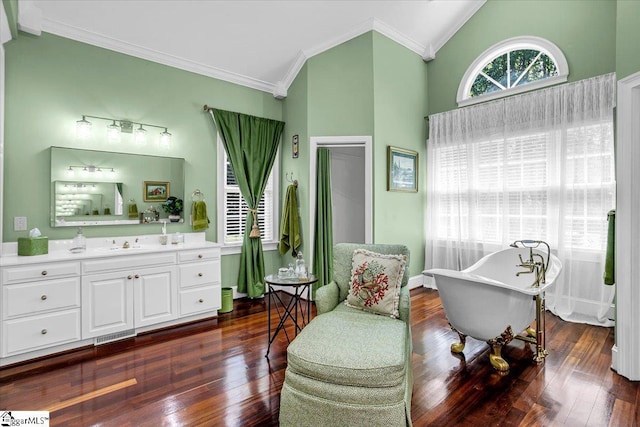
<point x="90" y="187"/>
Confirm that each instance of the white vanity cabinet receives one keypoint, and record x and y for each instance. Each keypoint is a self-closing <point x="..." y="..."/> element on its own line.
<point x="61" y="301"/>
<point x="40" y="306"/>
<point x="122" y="294"/>
<point x="199" y="289"/>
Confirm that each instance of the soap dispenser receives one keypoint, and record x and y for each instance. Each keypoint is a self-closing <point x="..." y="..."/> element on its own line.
<point x="79" y="242"/>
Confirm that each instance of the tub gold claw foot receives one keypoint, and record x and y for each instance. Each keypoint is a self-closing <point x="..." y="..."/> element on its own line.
<point x="497" y="361"/>
<point x="496" y="344"/>
<point x="457" y="347"/>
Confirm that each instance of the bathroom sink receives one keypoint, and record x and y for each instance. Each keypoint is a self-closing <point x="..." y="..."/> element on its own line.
<point x="121" y="249"/>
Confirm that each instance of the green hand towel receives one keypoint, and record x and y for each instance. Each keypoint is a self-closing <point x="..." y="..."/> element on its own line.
<point x="610" y="258"/>
<point x="133" y="210"/>
<point x="290" y="226"/>
<point x="199" y="216"/>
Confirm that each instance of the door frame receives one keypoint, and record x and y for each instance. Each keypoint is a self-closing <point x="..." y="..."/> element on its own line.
<point x="365" y="142"/>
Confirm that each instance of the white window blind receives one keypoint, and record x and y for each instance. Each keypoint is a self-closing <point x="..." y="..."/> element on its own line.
<point x="235" y="209"/>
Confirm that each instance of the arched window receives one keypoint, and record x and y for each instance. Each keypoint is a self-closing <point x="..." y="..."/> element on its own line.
<point x="512" y="66"/>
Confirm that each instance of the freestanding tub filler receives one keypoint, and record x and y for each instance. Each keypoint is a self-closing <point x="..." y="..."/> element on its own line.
<point x="501" y="293"/>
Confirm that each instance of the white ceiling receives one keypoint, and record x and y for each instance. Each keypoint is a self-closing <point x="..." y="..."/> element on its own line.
<point x="260" y="43"/>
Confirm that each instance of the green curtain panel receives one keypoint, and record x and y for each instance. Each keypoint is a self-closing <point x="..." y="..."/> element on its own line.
<point x="290" y="225"/>
<point x="323" y="244"/>
<point x="251" y="144"/>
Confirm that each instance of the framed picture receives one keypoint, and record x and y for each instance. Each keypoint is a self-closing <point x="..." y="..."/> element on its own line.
<point x="402" y="170"/>
<point x="155" y="191"/>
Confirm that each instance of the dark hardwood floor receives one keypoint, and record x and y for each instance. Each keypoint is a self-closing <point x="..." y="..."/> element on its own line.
<point x="214" y="373"/>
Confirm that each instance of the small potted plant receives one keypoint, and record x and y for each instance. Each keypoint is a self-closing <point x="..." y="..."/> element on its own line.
<point x="173" y="206"/>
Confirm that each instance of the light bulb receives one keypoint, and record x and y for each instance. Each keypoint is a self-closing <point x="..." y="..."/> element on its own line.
<point x="141" y="135"/>
<point x="70" y="171"/>
<point x="83" y="129"/>
<point x="113" y="132"/>
<point x="165" y="139"/>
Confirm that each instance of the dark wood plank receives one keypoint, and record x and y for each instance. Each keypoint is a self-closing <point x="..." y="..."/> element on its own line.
<point x="214" y="372"/>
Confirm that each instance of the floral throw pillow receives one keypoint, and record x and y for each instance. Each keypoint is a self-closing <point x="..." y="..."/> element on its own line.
<point x="375" y="282"/>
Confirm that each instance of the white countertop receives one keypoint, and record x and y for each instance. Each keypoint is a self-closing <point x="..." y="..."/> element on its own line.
<point x="103" y="247"/>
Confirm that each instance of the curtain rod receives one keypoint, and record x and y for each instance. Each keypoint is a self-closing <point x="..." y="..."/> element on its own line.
<point x="207" y="108"/>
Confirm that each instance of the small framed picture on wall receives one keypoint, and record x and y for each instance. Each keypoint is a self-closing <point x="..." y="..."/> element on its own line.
<point x="402" y="170"/>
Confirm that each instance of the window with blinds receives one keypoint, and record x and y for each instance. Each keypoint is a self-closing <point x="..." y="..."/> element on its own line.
<point x="511" y="186"/>
<point x="235" y="209"/>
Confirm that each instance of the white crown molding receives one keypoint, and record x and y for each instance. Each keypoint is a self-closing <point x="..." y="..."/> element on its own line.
<point x="462" y="19"/>
<point x="397" y="36"/>
<point x="94" y="39"/>
<point x="278" y="90"/>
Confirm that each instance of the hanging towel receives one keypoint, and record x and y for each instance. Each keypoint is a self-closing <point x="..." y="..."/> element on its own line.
<point x="199" y="215"/>
<point x="290" y="226"/>
<point x="610" y="258"/>
<point x="133" y="210"/>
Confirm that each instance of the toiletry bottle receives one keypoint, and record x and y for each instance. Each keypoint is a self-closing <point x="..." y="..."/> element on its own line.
<point x="301" y="268"/>
<point x="79" y="242"/>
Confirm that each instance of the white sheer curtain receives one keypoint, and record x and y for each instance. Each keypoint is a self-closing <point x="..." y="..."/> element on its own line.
<point x="535" y="166"/>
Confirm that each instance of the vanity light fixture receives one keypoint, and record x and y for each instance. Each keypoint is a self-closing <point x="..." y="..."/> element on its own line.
<point x="165" y="139"/>
<point x="141" y="135"/>
<point x="86" y="170"/>
<point x="83" y="128"/>
<point x="116" y="127"/>
<point x="113" y="132"/>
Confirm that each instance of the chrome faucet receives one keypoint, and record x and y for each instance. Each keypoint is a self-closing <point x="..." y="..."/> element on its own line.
<point x="125" y="245"/>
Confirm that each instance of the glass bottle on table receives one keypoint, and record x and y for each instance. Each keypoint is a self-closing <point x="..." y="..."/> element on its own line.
<point x="301" y="267"/>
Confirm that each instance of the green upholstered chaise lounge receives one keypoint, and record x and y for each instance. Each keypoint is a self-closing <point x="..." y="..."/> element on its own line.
<point x="350" y="367"/>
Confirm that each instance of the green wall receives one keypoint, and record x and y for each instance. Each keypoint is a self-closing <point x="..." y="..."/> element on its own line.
<point x="628" y="35"/>
<point x="400" y="104"/>
<point x="51" y="81"/>
<point x="340" y="89"/>
<point x="369" y="85"/>
<point x="585" y="31"/>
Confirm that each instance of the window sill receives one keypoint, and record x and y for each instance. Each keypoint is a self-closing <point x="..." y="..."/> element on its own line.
<point x="236" y="248"/>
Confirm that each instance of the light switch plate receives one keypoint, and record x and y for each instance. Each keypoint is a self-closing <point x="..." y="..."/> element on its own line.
<point x="19" y="223"/>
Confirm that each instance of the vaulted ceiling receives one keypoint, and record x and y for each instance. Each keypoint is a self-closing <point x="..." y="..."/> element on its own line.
<point x="261" y="44"/>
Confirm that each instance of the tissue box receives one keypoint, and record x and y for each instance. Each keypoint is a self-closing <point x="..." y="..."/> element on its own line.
<point x="33" y="245"/>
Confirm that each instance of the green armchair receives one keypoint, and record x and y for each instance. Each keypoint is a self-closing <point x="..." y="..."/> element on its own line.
<point x="348" y="366"/>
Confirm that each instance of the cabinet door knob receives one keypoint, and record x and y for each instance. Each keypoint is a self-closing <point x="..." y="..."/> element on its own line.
<point x="129" y="277"/>
<point x="200" y="274"/>
<point x="44" y="272"/>
<point x="43" y="332"/>
<point x="137" y="276"/>
<point x="200" y="300"/>
<point x="199" y="255"/>
<point x="43" y="297"/>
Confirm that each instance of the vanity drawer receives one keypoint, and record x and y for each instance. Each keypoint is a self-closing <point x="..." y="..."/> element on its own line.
<point x="199" y="255"/>
<point x="27" y="273"/>
<point x="206" y="298"/>
<point x="41" y="331"/>
<point x="37" y="297"/>
<point x="127" y="262"/>
<point x="199" y="273"/>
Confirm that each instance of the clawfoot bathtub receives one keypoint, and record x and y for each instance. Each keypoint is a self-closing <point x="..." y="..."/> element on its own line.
<point x="498" y="298"/>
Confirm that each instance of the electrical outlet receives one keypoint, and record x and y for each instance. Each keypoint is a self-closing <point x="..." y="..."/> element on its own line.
<point x="19" y="223"/>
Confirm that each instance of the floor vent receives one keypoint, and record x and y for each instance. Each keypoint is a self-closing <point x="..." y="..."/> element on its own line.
<point x="115" y="336"/>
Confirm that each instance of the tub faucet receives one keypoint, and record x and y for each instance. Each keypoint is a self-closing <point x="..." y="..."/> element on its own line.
<point x="531" y="265"/>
